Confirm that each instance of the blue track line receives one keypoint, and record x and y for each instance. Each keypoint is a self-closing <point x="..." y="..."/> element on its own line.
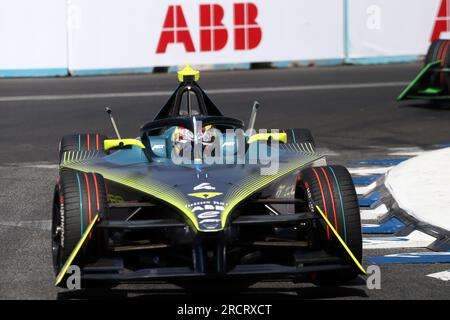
<point x="384" y="162"/>
<point x="391" y="226"/>
<point x="369" y="200"/>
<point x="366" y="179"/>
<point x="418" y="257"/>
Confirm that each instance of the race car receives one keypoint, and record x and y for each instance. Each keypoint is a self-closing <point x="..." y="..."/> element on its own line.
<point x="166" y="207"/>
<point x="433" y="81"/>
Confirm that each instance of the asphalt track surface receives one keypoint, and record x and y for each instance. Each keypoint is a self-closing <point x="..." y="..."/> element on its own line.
<point x="351" y="111"/>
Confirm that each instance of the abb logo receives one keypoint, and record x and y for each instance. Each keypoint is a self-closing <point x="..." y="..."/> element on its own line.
<point x="213" y="33"/>
<point x="442" y="21"/>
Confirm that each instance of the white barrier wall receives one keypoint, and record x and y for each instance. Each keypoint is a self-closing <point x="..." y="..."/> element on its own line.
<point x="386" y="28"/>
<point x="33" y="37"/>
<point x="48" y="37"/>
<point x="110" y="34"/>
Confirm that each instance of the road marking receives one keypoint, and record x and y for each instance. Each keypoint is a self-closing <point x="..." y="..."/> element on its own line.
<point x="444" y="275"/>
<point x="416" y="239"/>
<point x="374" y="214"/>
<point x="369" y="170"/>
<point x="405" y="151"/>
<point x="412" y="257"/>
<point x="33" y="224"/>
<point x="365" y="180"/>
<point x="391" y="226"/>
<point x="211" y="91"/>
<point x="365" y="189"/>
<point x="382" y="162"/>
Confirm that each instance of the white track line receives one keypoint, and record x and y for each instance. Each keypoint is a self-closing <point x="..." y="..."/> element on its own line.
<point x="405" y="151"/>
<point x="374" y="214"/>
<point x="416" y="239"/>
<point x="211" y="91"/>
<point x="365" y="171"/>
<point x="444" y="275"/>
<point x="366" y="189"/>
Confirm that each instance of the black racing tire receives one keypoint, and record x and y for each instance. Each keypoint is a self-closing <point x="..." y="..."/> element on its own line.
<point x="438" y="50"/>
<point x="78" y="198"/>
<point x="300" y="136"/>
<point x="332" y="189"/>
<point x="81" y="142"/>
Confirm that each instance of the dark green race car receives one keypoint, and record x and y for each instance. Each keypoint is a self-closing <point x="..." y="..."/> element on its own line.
<point x="433" y="81"/>
<point x="195" y="198"/>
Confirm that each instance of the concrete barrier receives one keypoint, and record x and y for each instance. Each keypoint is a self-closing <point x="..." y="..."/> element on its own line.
<point x="421" y="187"/>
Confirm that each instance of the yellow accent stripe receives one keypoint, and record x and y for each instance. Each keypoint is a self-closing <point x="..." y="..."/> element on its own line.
<point x="112" y="143"/>
<point x="75" y="251"/>
<point x="350" y="253"/>
<point x="280" y="136"/>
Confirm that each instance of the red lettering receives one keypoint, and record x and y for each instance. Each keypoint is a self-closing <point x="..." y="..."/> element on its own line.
<point x="247" y="32"/>
<point x="175" y="30"/>
<point x="442" y="21"/>
<point x="213" y="34"/>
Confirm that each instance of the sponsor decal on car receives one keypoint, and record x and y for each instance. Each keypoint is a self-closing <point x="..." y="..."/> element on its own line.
<point x="208" y="213"/>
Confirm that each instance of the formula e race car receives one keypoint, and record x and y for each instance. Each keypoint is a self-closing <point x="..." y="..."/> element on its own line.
<point x="196" y="198"/>
<point x="433" y="81"/>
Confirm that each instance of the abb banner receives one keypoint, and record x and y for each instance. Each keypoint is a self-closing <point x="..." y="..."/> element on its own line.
<point x="387" y="28"/>
<point x="107" y="34"/>
<point x="33" y="36"/>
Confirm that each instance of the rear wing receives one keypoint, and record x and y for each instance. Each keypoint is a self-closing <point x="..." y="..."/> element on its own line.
<point x="422" y="88"/>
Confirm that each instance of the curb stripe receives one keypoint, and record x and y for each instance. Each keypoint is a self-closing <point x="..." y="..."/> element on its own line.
<point x="81" y="205"/>
<point x="323" y="199"/>
<point x="342" y="204"/>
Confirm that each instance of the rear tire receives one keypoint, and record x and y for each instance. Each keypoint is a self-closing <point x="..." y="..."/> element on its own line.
<point x="332" y="189"/>
<point x="78" y="198"/>
<point x="82" y="142"/>
<point x="439" y="50"/>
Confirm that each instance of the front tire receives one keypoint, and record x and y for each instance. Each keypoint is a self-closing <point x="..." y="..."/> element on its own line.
<point x="332" y="189"/>
<point x="78" y="198"/>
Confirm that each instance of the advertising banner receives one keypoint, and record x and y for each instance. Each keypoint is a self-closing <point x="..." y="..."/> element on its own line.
<point x="387" y="28"/>
<point x="33" y="37"/>
<point x="113" y="34"/>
